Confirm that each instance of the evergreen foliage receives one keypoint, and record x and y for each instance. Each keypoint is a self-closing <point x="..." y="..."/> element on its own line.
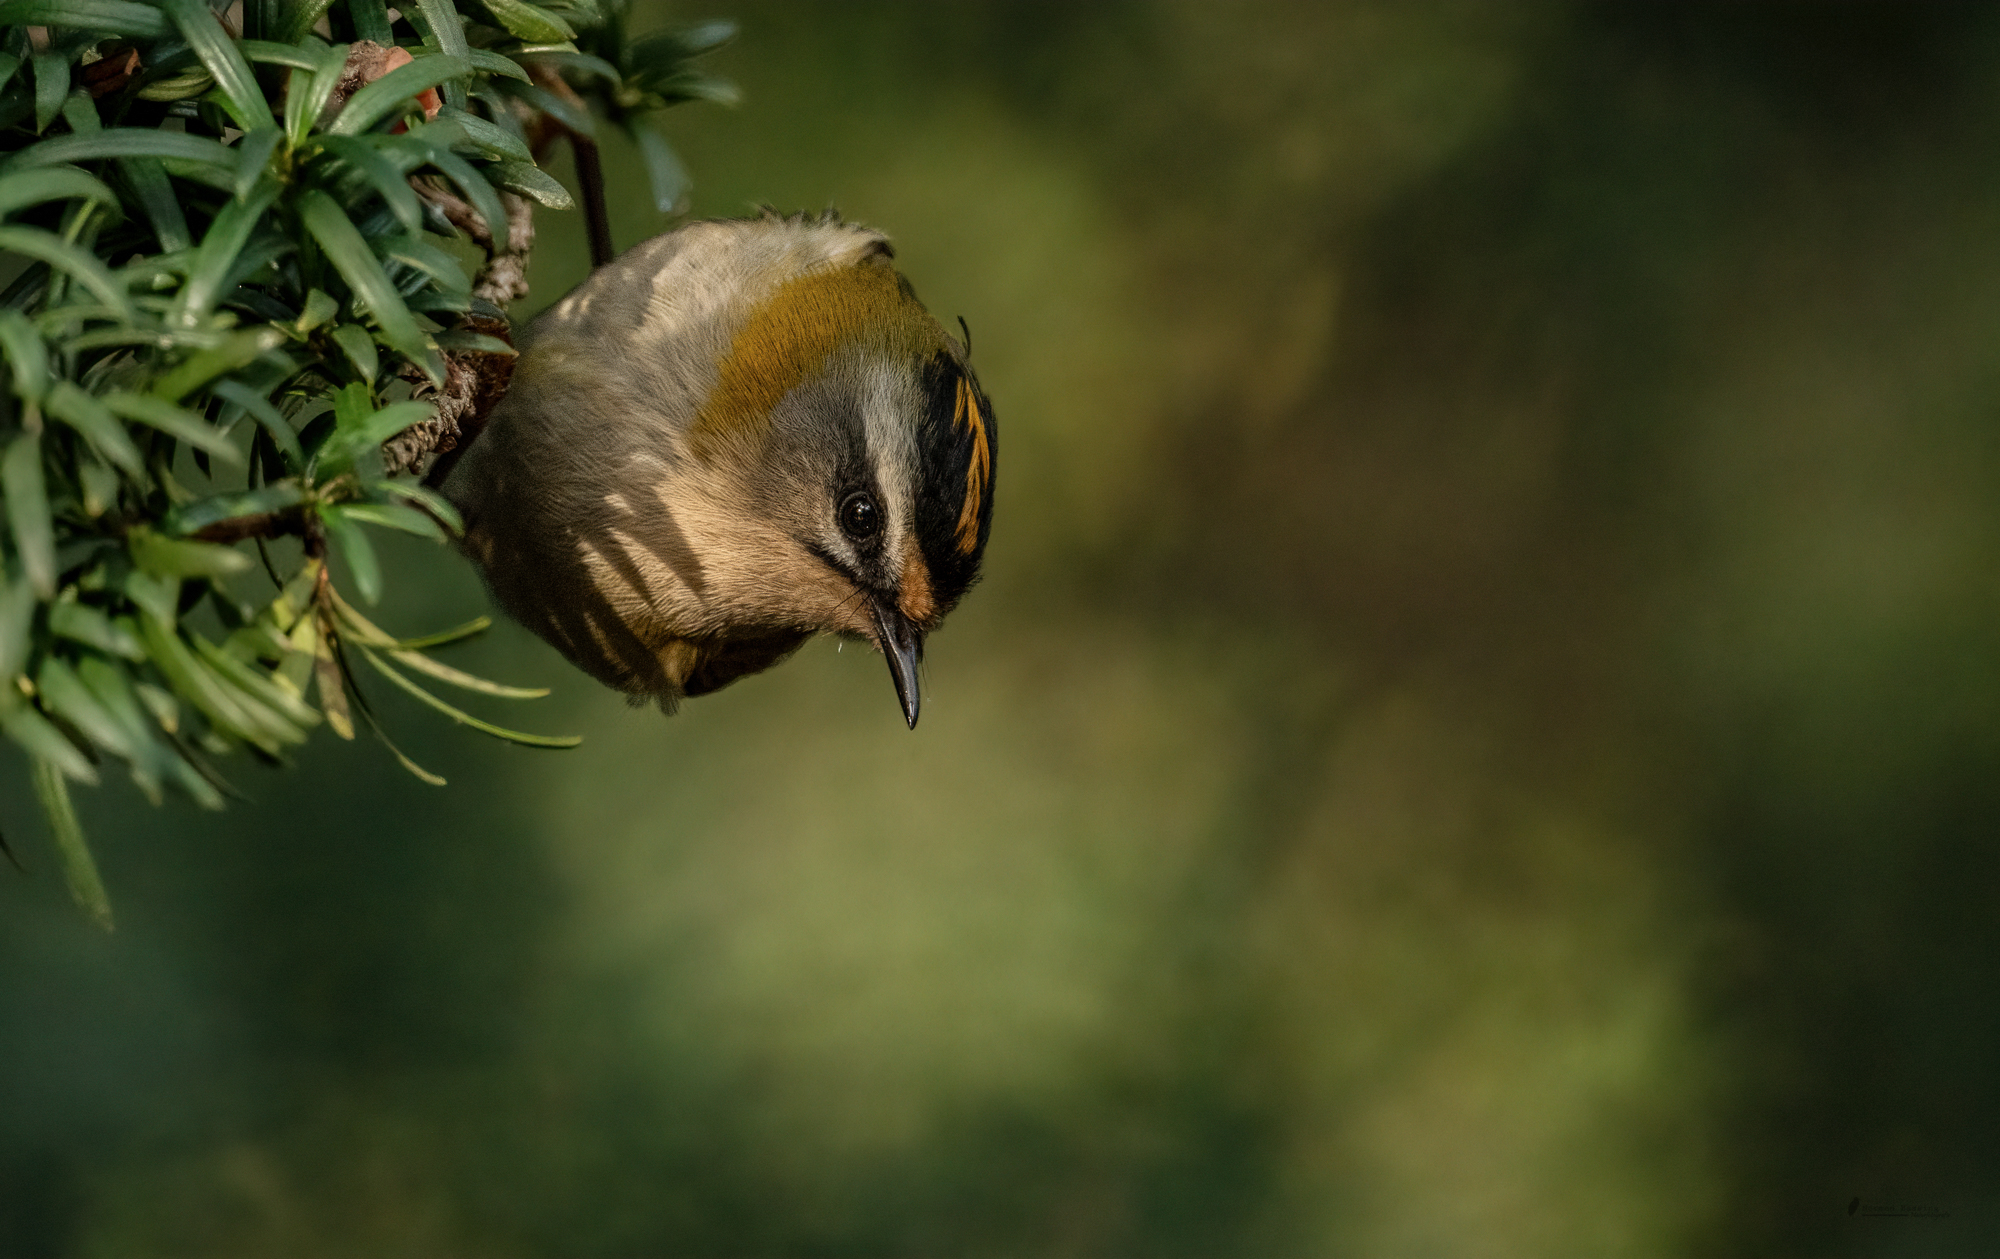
<point x="230" y="294"/>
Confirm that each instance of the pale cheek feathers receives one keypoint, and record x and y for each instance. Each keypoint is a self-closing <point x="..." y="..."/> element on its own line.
<point x="749" y="572"/>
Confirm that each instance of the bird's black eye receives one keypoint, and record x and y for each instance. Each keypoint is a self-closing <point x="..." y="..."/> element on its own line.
<point x="860" y="519"/>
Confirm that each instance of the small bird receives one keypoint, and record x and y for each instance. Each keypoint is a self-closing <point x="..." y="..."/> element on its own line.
<point x="735" y="436"/>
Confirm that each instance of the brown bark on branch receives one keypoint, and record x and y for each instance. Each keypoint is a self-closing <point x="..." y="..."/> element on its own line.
<point x="474" y="379"/>
<point x="366" y="62"/>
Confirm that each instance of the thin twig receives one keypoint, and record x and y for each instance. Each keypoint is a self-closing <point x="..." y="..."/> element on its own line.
<point x="264" y="524"/>
<point x="596" y="213"/>
<point x="589" y="167"/>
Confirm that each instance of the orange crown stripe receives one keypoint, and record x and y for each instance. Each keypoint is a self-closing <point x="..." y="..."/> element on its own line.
<point x="791" y="335"/>
<point x="977" y="471"/>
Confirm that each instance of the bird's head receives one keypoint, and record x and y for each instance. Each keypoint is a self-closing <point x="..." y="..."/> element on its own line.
<point x="757" y="435"/>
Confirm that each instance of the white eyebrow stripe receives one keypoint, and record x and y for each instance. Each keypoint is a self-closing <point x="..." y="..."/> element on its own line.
<point x="892" y="448"/>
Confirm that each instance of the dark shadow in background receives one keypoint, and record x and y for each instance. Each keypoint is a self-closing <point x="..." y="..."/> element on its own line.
<point x="346" y="932"/>
<point x="1577" y="267"/>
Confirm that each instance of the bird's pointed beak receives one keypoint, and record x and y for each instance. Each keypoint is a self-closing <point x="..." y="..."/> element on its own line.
<point x="903" y="644"/>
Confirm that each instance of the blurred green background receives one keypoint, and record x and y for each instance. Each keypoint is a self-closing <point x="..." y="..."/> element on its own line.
<point x="1481" y="734"/>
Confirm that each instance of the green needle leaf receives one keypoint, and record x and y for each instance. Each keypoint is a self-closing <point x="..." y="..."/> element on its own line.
<point x="179" y="557"/>
<point x="65" y="257"/>
<point x="379" y="426"/>
<point x="306" y="92"/>
<point x="465" y="681"/>
<point x="28" y="512"/>
<point x="195" y="781"/>
<point x="491" y="62"/>
<point x="51" y="87"/>
<point x="458" y="633"/>
<point x="61" y="183"/>
<point x="256" y="684"/>
<point x="228" y="707"/>
<point x="302" y="16"/>
<point x="42" y="740"/>
<point x="363" y="272"/>
<point x="423" y="496"/>
<point x="66" y="697"/>
<point x="382" y="174"/>
<point x="158" y="413"/>
<point x="253" y="157"/>
<point x="583" y="64"/>
<point x="159" y="705"/>
<point x="80" y="112"/>
<point x="219" y="251"/>
<point x="371" y="20"/>
<point x="185" y="86"/>
<point x="86" y="624"/>
<point x="475" y="187"/>
<point x="465" y="340"/>
<point x="218" y="53"/>
<point x="260" y="409"/>
<point x="465" y="718"/>
<point x="487" y="138"/>
<point x="530" y="23"/>
<point x="86" y="888"/>
<point x="575" y="117"/>
<point x="267" y="53"/>
<point x="446" y="272"/>
<point x="17" y="616"/>
<point x="99" y="484"/>
<point x="402" y="758"/>
<point x="358" y="627"/>
<point x="352" y="405"/>
<point x="358" y="551"/>
<point x="417" y="771"/>
<point x="88" y="415"/>
<point x="534" y="183"/>
<point x="126" y="142"/>
<point x="26" y="355"/>
<point x="111" y="687"/>
<point x="379" y="99"/>
<point x="155" y="595"/>
<point x="354" y="341"/>
<point x="327" y="674"/>
<point x="113" y="17"/>
<point x="447" y="35"/>
<point x="318" y="309"/>
<point x="664" y="172"/>
<point x="362" y="630"/>
<point x="239" y="350"/>
<point x="394" y="516"/>
<point x="156" y="197"/>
